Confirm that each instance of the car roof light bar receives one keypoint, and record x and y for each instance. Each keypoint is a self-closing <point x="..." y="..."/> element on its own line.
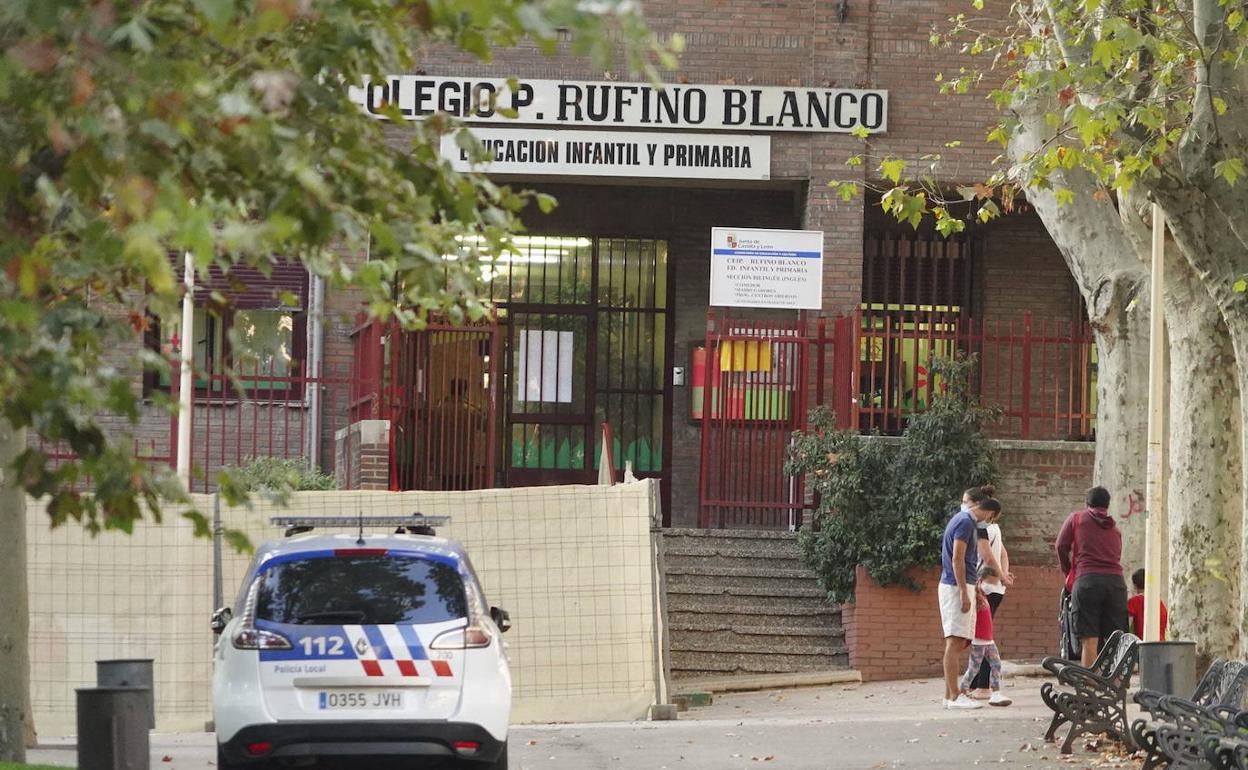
<point x="415" y="524"/>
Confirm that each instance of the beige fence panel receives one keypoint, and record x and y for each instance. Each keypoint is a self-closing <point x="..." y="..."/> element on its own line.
<point x="573" y="566"/>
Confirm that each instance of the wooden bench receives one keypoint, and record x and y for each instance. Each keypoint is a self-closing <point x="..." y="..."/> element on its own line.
<point x="1092" y="700"/>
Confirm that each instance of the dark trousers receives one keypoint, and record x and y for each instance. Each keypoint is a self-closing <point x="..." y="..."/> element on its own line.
<point x="982" y="678"/>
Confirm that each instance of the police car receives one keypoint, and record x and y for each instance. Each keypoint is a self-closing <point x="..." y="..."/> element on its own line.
<point x="345" y="645"/>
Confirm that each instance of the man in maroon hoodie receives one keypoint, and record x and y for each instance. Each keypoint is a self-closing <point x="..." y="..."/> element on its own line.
<point x="1089" y="548"/>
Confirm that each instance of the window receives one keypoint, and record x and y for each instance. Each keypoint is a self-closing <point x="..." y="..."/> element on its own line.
<point x="250" y="337"/>
<point x="361" y="589"/>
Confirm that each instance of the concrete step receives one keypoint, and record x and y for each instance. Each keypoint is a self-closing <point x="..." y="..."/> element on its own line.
<point x="715" y="620"/>
<point x="732" y="579"/>
<point x="710" y="562"/>
<point x="742" y="568"/>
<point x="792" y="627"/>
<point x="689" y="665"/>
<point x="762" y="591"/>
<point x="681" y="544"/>
<point x="703" y="601"/>
<point x="717" y="643"/>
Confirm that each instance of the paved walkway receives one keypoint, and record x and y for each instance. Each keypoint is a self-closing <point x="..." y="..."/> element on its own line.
<point x="857" y="727"/>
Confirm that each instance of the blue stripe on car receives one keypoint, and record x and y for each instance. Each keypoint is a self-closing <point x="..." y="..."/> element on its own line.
<point x="414" y="646"/>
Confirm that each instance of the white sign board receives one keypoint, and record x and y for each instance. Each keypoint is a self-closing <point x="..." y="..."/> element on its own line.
<point x="545" y="366"/>
<point x="569" y="103"/>
<point x="766" y="268"/>
<point x="616" y="153"/>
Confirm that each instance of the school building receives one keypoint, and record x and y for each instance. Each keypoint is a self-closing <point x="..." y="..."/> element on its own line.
<point x="604" y="320"/>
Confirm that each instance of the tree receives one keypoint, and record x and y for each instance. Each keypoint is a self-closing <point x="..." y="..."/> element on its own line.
<point x="1108" y="105"/>
<point x="136" y="131"/>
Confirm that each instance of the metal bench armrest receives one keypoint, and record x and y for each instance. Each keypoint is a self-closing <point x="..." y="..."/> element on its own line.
<point x="1084" y="680"/>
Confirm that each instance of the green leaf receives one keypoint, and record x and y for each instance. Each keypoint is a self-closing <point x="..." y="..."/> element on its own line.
<point x="846" y="190"/>
<point x="892" y="169"/>
<point x="216" y="12"/>
<point x="1241" y="286"/>
<point x="1219" y="105"/>
<point x="1064" y="196"/>
<point x="1230" y="170"/>
<point x="860" y="131"/>
<point x="1106" y="52"/>
<point x="238" y="540"/>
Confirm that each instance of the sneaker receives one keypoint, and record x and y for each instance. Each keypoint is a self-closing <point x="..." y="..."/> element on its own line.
<point x="963" y="702"/>
<point x="999" y="699"/>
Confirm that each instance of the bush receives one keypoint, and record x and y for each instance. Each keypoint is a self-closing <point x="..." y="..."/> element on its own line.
<point x="885" y="506"/>
<point x="277" y="477"/>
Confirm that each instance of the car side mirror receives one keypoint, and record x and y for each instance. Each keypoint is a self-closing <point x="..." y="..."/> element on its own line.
<point x="220" y="619"/>
<point x="501" y="619"/>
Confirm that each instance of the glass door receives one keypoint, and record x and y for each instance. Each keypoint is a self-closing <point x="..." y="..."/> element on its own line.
<point x="586" y="342"/>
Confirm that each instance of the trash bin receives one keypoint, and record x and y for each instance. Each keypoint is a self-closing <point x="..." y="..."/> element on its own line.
<point x="1168" y="667"/>
<point x="130" y="672"/>
<point x="112" y="729"/>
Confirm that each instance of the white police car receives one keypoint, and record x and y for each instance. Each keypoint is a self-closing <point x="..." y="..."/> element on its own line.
<point x="345" y="645"/>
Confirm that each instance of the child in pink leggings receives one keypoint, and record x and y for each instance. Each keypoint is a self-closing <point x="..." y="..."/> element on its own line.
<point x="983" y="648"/>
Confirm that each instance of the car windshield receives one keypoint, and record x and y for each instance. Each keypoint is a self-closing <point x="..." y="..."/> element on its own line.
<point x="360" y="589"/>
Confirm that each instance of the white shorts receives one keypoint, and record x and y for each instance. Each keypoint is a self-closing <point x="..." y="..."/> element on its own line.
<point x="952" y="618"/>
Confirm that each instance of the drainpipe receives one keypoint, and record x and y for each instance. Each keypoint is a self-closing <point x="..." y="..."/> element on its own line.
<point x="186" y="383"/>
<point x="316" y="337"/>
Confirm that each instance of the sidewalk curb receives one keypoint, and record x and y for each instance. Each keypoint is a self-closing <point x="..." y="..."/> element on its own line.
<point x="755" y="682"/>
<point x="1016" y="670"/>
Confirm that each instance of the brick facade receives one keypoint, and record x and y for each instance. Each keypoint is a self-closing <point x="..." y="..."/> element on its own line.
<point x="883" y="646"/>
<point x="781" y="43"/>
<point x="1039" y="483"/>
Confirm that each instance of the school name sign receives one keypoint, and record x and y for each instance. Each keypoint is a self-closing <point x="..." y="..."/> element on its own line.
<point x="628" y="105"/>
<point x="614" y="153"/>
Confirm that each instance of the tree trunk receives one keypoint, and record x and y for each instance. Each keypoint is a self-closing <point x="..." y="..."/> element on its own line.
<point x="14" y="615"/>
<point x="1204" y="499"/>
<point x="1209" y="242"/>
<point x="1114" y="286"/>
<point x="1204" y="490"/>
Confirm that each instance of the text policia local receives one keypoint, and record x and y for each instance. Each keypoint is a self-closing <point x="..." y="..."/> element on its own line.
<point x="629" y="104"/>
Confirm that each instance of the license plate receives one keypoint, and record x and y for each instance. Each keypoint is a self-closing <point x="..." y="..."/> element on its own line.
<point x="348" y="700"/>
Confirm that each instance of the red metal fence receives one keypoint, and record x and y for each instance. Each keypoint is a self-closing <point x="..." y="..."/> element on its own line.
<point x="1039" y="372"/>
<point x="874" y="368"/>
<point x="238" y="417"/>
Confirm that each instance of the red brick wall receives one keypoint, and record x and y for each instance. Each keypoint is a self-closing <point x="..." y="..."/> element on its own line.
<point x="895" y="633"/>
<point x="1039" y="483"/>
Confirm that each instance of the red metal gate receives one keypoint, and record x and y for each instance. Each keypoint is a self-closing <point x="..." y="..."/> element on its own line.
<point x="755" y="394"/>
<point x="438" y="390"/>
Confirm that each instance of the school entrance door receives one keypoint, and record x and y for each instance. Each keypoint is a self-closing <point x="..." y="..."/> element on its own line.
<point x="587" y="340"/>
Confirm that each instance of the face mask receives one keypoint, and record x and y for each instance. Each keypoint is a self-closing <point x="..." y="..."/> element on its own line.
<point x="981" y="524"/>
<point x="965" y="508"/>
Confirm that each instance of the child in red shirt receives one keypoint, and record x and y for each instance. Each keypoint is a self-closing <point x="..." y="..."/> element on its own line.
<point x="983" y="647"/>
<point x="1135" y="607"/>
